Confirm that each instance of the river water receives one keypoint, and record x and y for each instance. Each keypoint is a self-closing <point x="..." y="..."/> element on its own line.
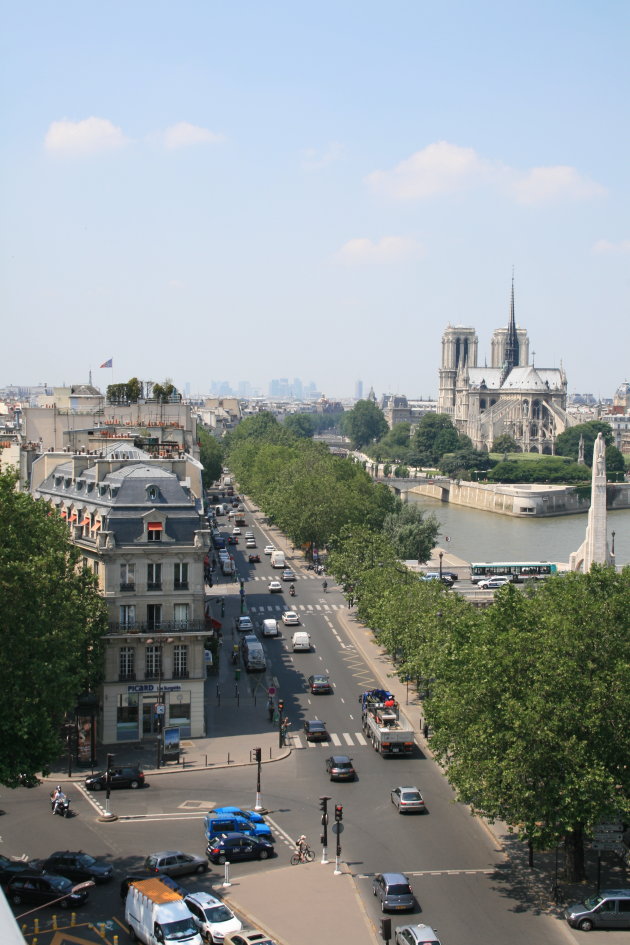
<point x="485" y="536"/>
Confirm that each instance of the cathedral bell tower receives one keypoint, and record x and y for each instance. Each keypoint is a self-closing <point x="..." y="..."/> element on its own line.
<point x="459" y="350"/>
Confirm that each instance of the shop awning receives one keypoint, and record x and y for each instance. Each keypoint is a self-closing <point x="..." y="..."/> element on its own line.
<point x="154" y="526"/>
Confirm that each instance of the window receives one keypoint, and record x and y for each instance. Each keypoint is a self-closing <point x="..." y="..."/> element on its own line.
<point x="154" y="577"/>
<point x="127" y="717"/>
<point x="181" y="576"/>
<point x="126" y="663"/>
<point x="154" y="616"/>
<point x="127" y="615"/>
<point x="153" y="664"/>
<point x="180" y="662"/>
<point x="127" y="577"/>
<point x="179" y="712"/>
<point x="96" y="568"/>
<point x="154" y="531"/>
<point x="180" y="615"/>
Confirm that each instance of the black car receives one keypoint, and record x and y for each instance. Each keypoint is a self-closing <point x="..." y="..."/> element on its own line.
<point x="340" y="768"/>
<point x="10" y="868"/>
<point x="43" y="888"/>
<point x="127" y="776"/>
<point x="238" y="846"/>
<point x="319" y="684"/>
<point x="77" y="866"/>
<point x="316" y="731"/>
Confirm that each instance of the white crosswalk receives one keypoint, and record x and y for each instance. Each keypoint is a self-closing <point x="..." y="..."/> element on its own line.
<point x="345" y="739"/>
<point x="300" y="608"/>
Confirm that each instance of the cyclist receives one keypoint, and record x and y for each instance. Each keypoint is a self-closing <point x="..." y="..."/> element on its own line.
<point x="302" y="846"/>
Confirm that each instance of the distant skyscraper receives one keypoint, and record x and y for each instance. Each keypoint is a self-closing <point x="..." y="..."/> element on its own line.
<point x="358" y="390"/>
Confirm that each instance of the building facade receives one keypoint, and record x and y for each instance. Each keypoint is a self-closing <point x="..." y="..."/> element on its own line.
<point x="138" y="523"/>
<point x="511" y="396"/>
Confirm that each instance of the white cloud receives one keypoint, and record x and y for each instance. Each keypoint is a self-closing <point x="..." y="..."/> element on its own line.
<point x="184" y="135"/>
<point x="440" y="168"/>
<point x="389" y="249"/>
<point x="88" y="136"/>
<point x="547" y="184"/>
<point x="313" y="160"/>
<point x="606" y="247"/>
<point x="443" y="168"/>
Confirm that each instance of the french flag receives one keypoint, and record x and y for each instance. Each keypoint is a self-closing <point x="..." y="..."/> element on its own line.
<point x="108" y="363"/>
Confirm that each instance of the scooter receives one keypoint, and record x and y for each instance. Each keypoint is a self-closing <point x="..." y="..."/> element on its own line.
<point x="292" y="591"/>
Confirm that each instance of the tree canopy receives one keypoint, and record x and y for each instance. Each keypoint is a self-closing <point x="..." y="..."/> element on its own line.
<point x="568" y="443"/>
<point x="546" y="469"/>
<point x="211" y="456"/>
<point x="364" y="423"/>
<point x="52" y="620"/>
<point x="436" y="435"/>
<point x="300" y="424"/>
<point x="412" y="532"/>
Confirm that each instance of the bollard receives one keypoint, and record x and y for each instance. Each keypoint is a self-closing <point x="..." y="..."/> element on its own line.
<point x="115" y="940"/>
<point x="54" y="921"/>
<point x="228" y="761"/>
<point x="206" y="761"/>
<point x="73" y="918"/>
<point x="226" y="875"/>
<point x="36" y="926"/>
<point x="101" y="929"/>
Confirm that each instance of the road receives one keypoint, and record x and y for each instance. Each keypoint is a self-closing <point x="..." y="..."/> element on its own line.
<point x="463" y="883"/>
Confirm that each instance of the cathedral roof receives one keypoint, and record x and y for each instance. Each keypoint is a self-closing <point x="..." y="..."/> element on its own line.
<point x="489" y="377"/>
<point x="525" y="378"/>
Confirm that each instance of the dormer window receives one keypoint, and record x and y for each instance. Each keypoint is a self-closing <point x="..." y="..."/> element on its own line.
<point x="152" y="492"/>
<point x="154" y="531"/>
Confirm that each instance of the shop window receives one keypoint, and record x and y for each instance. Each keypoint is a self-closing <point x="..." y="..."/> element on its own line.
<point x="127" y="717"/>
<point x="179" y="712"/>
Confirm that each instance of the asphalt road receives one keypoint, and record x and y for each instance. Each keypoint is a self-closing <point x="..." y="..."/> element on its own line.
<point x="461" y="879"/>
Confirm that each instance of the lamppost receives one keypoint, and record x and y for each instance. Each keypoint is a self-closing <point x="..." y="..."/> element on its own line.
<point x="612" y="550"/>
<point x="441" y="555"/>
<point x="77" y="888"/>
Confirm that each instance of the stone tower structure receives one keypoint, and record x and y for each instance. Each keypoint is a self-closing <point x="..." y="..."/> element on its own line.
<point x="594" y="548"/>
<point x="459" y="351"/>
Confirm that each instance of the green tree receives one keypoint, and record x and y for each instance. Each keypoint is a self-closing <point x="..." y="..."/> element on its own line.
<point x="300" y="424"/>
<point x="530" y="708"/>
<point x="412" y="532"/>
<point x="52" y="620"/>
<point x="556" y="469"/>
<point x="459" y="464"/>
<point x="164" y="392"/>
<point x="505" y="444"/>
<point x="364" y="423"/>
<point x="211" y="456"/>
<point x="614" y="459"/>
<point x="568" y="443"/>
<point x="436" y="435"/>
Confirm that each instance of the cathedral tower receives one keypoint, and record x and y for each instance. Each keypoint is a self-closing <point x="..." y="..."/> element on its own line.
<point x="459" y="348"/>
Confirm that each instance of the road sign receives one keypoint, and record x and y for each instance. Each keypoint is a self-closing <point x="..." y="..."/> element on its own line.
<point x="159" y="708"/>
<point x="271" y="691"/>
<point x="608" y="845"/>
<point x="337" y="828"/>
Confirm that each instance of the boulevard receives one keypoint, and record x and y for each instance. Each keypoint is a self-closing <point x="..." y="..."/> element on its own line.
<point x="464" y="883"/>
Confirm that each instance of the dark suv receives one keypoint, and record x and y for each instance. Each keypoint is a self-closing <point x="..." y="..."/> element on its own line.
<point x="77" y="866"/>
<point x="41" y="889"/>
<point x="127" y="776"/>
<point x="340" y="768"/>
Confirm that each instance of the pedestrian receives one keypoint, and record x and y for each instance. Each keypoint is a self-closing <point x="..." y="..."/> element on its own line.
<point x="270" y="709"/>
<point x="425" y="730"/>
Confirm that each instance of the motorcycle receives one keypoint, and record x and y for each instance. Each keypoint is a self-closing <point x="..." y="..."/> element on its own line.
<point x="292" y="591"/>
<point x="61" y="807"/>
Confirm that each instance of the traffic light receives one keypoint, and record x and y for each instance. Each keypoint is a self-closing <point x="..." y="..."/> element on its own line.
<point x="323" y="806"/>
<point x="258" y="755"/>
<point x="338" y="813"/>
<point x="280" y="707"/>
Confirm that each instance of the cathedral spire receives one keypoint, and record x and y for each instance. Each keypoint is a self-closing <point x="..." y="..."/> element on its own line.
<point x="511" y="342"/>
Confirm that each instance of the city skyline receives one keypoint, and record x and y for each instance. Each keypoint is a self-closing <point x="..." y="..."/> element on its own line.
<point x="247" y="185"/>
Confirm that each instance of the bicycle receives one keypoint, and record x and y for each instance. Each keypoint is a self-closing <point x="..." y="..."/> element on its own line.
<point x="305" y="855"/>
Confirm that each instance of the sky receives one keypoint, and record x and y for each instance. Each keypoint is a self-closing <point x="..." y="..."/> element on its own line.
<point x="247" y="190"/>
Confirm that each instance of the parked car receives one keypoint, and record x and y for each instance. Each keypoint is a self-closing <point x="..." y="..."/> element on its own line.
<point x="288" y="575"/>
<point x="127" y="776"/>
<point x="212" y="917"/>
<point x="238" y="846"/>
<point x="78" y="867"/>
<point x="254" y="559"/>
<point x="175" y="863"/>
<point x="340" y="768"/>
<point x="319" y="685"/>
<point x="40" y="889"/>
<point x="408" y="800"/>
<point x="275" y="587"/>
<point x="10" y="868"/>
<point x="393" y="891"/>
<point x="247" y="814"/>
<point x="217" y="824"/>
<point x="316" y="731"/>
<point x="415" y="935"/>
<point x="248" y="937"/>
<point x="608" y="909"/>
<point x="290" y="618"/>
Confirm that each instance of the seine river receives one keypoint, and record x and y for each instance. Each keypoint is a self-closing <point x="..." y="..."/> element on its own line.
<point x="486" y="536"/>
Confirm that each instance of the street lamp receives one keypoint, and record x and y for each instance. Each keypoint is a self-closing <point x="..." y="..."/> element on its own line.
<point x="77" y="888"/>
<point x="441" y="555"/>
<point x="613" y="545"/>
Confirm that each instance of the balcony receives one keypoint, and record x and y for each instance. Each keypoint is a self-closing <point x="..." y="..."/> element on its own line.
<point x="181" y="585"/>
<point x="165" y="626"/>
<point x="126" y="677"/>
<point x="181" y="674"/>
<point x="154" y="585"/>
<point x="128" y="586"/>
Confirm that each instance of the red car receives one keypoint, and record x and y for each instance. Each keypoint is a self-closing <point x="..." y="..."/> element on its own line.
<point x="233" y="540"/>
<point x="254" y="559"/>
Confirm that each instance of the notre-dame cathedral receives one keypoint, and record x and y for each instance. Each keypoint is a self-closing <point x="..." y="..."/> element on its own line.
<point x="510" y="396"/>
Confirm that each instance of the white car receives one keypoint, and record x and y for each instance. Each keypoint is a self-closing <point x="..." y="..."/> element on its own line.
<point x="290" y="618"/>
<point x="236" y="530"/>
<point x="492" y="583"/>
<point x="275" y="587"/>
<point x="270" y="627"/>
<point x="211" y="916"/>
<point x="269" y="549"/>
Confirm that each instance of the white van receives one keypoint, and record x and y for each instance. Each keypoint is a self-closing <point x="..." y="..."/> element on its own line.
<point x="301" y="642"/>
<point x="157" y="915"/>
<point x="278" y="559"/>
<point x="270" y="627"/>
<point x="254" y="657"/>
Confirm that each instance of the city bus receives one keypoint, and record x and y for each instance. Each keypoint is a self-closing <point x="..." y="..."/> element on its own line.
<point x="516" y="570"/>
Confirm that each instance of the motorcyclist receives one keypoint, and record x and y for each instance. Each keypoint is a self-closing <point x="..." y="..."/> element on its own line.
<point x="58" y="799"/>
<point x="292" y="590"/>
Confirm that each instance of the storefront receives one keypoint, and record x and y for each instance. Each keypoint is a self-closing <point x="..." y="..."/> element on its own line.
<point x="138" y="711"/>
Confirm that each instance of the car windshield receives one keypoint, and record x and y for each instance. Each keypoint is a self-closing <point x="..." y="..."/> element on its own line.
<point x="218" y="914"/>
<point x="593" y="901"/>
<point x="411" y="796"/>
<point x="86" y="860"/>
<point x="60" y="883"/>
<point x="176" y="931"/>
<point x="399" y="889"/>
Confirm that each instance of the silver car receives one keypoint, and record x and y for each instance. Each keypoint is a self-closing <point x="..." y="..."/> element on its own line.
<point x="175" y="863"/>
<point x="394" y="892"/>
<point x="408" y="800"/>
<point x="415" y="935"/>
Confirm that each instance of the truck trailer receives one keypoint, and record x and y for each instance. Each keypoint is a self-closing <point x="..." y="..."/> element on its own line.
<point x="384" y="724"/>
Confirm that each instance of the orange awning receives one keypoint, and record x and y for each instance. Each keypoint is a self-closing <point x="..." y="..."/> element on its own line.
<point x="73" y="517"/>
<point x="154" y="526"/>
<point x="64" y="514"/>
<point x="86" y="520"/>
<point x="97" y="524"/>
